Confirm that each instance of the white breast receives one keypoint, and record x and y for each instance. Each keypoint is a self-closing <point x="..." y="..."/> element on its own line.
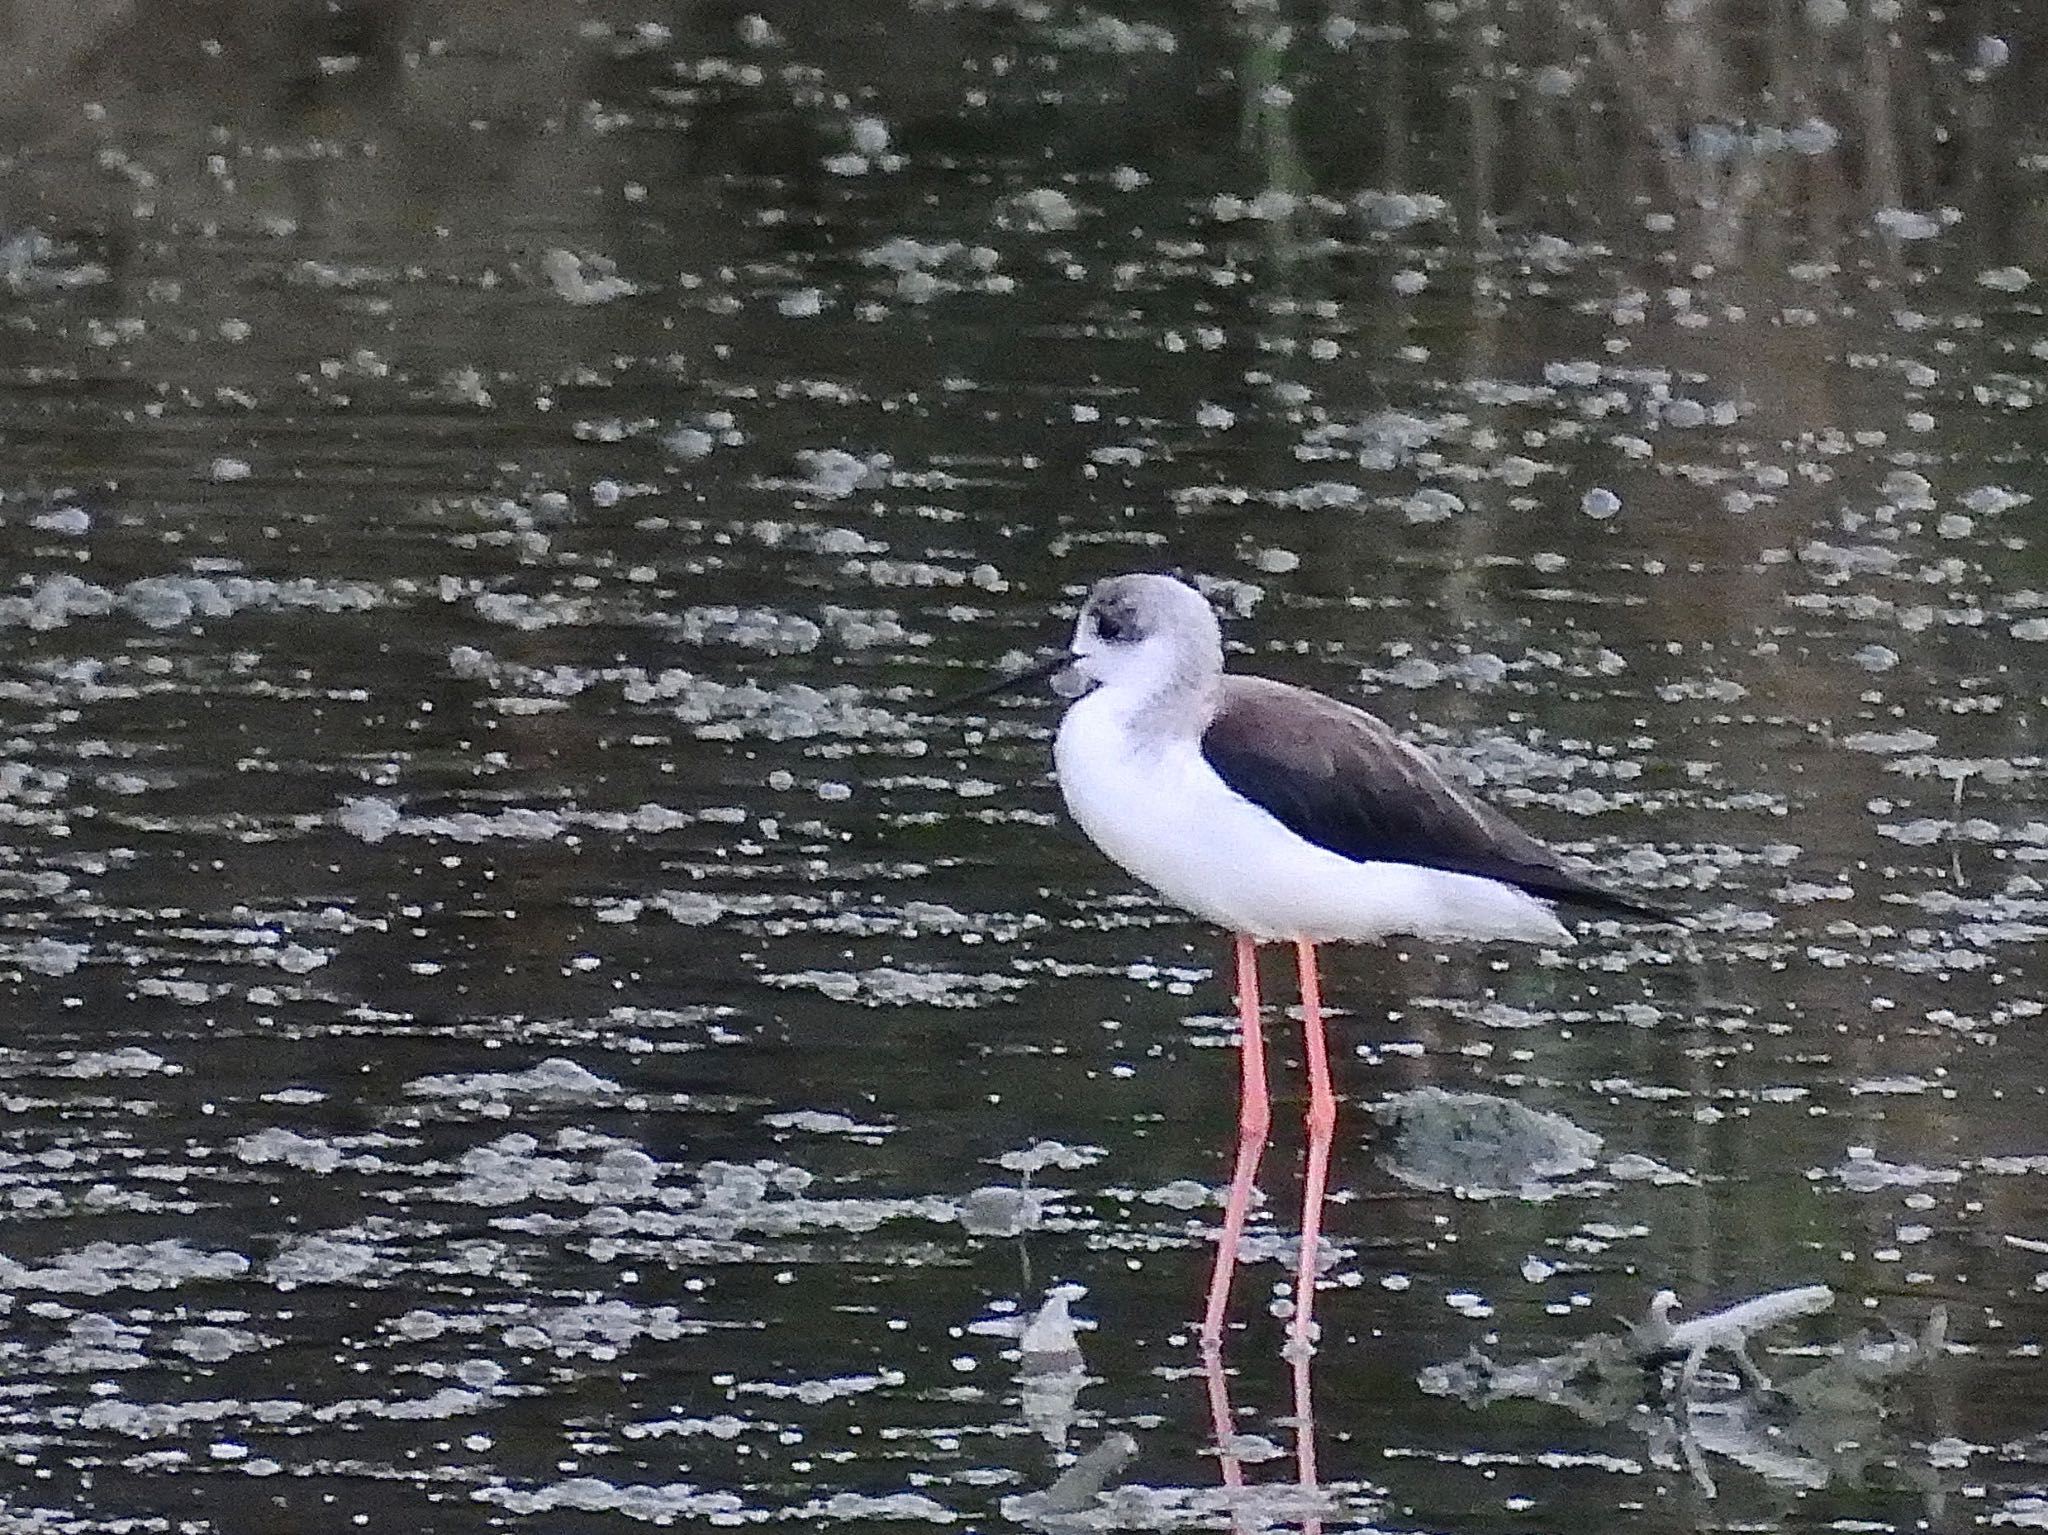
<point x="1153" y="803"/>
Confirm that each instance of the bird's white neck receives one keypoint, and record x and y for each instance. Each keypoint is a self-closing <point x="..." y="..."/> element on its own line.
<point x="1172" y="706"/>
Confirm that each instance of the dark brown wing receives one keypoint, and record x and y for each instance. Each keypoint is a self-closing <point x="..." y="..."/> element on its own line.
<point x="1340" y="778"/>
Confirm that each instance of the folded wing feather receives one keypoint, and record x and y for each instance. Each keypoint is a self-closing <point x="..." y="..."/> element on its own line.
<point x="1341" y="779"/>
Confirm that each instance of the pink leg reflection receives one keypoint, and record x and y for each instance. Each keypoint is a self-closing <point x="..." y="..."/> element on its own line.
<point x="1322" y="1127"/>
<point x="1223" y="1424"/>
<point x="1254" y="1121"/>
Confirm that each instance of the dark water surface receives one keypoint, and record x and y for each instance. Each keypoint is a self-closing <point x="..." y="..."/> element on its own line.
<point x="516" y="1018"/>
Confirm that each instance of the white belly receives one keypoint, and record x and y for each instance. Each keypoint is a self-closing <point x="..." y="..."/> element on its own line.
<point x="1158" y="809"/>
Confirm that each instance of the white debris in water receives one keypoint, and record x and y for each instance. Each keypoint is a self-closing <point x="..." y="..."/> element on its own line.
<point x="165" y="602"/>
<point x="1276" y="561"/>
<point x="288" y="1147"/>
<point x="1813" y="136"/>
<point x="1905" y="224"/>
<point x="1988" y="51"/>
<point x="818" y="1122"/>
<point x="1040" y="1155"/>
<point x="886" y="986"/>
<point x="924" y="271"/>
<point x="1906" y="489"/>
<point x="1582" y="373"/>
<point x="763" y="629"/>
<point x="471" y="664"/>
<point x="528" y="612"/>
<point x="185" y="993"/>
<point x="510" y="1170"/>
<point x="792" y="711"/>
<point x="297" y="959"/>
<point x="1990" y="500"/>
<point x="584" y="279"/>
<point x="599" y="1330"/>
<point x="2006" y="279"/>
<point x="1888" y="742"/>
<point x="1101" y="33"/>
<point x="1392" y="210"/>
<point x="51" y="956"/>
<point x="225" y="470"/>
<point x="554" y="1078"/>
<point x="1383" y="441"/>
<point x="1213" y="417"/>
<point x="1431" y="505"/>
<point x="212" y="1345"/>
<point x="513" y="824"/>
<point x="1890" y="1086"/>
<point x="689" y="443"/>
<point x="370" y="818"/>
<point x="869" y="136"/>
<point x="1600" y="503"/>
<point x="1237" y="598"/>
<point x="131" y="1061"/>
<point x="1322" y="496"/>
<point x="1634" y="1167"/>
<point x="465" y="386"/>
<point x="54" y="602"/>
<point x="692" y="908"/>
<point x="1863" y="1173"/>
<point x="1048" y="210"/>
<point x="73" y="521"/>
<point x="1273" y="206"/>
<point x="644" y="1502"/>
<point x="1000" y="1210"/>
<point x="1181" y="1194"/>
<point x="100" y="1267"/>
<point x="834" y="474"/>
<point x="31" y="262"/>
<point x="320" y="1260"/>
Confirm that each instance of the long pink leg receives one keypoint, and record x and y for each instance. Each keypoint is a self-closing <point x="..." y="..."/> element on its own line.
<point x="1322" y="1127"/>
<point x="1254" y="1121"/>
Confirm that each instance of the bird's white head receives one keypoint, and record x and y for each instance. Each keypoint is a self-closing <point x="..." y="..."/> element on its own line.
<point x="1150" y="637"/>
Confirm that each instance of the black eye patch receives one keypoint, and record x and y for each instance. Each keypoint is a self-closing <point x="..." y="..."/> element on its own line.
<point x="1114" y="628"/>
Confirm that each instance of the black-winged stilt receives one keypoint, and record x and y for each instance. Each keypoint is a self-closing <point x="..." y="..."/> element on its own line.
<point x="1286" y="817"/>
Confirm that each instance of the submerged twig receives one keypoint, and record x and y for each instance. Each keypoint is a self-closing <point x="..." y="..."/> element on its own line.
<point x="1079" y="1488"/>
<point x="1800" y="1431"/>
<point x="1657" y="1340"/>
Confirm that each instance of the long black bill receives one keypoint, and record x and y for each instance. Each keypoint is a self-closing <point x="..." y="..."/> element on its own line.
<point x="1009" y="684"/>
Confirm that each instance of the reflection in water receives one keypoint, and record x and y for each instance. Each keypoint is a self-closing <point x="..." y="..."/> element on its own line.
<point x="1232" y="1450"/>
<point x="514" y="1018"/>
<point x="1839" y="1421"/>
<point x="1090" y="1492"/>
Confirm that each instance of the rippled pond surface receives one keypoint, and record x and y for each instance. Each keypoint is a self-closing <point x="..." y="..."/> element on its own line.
<point x="517" y="1017"/>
